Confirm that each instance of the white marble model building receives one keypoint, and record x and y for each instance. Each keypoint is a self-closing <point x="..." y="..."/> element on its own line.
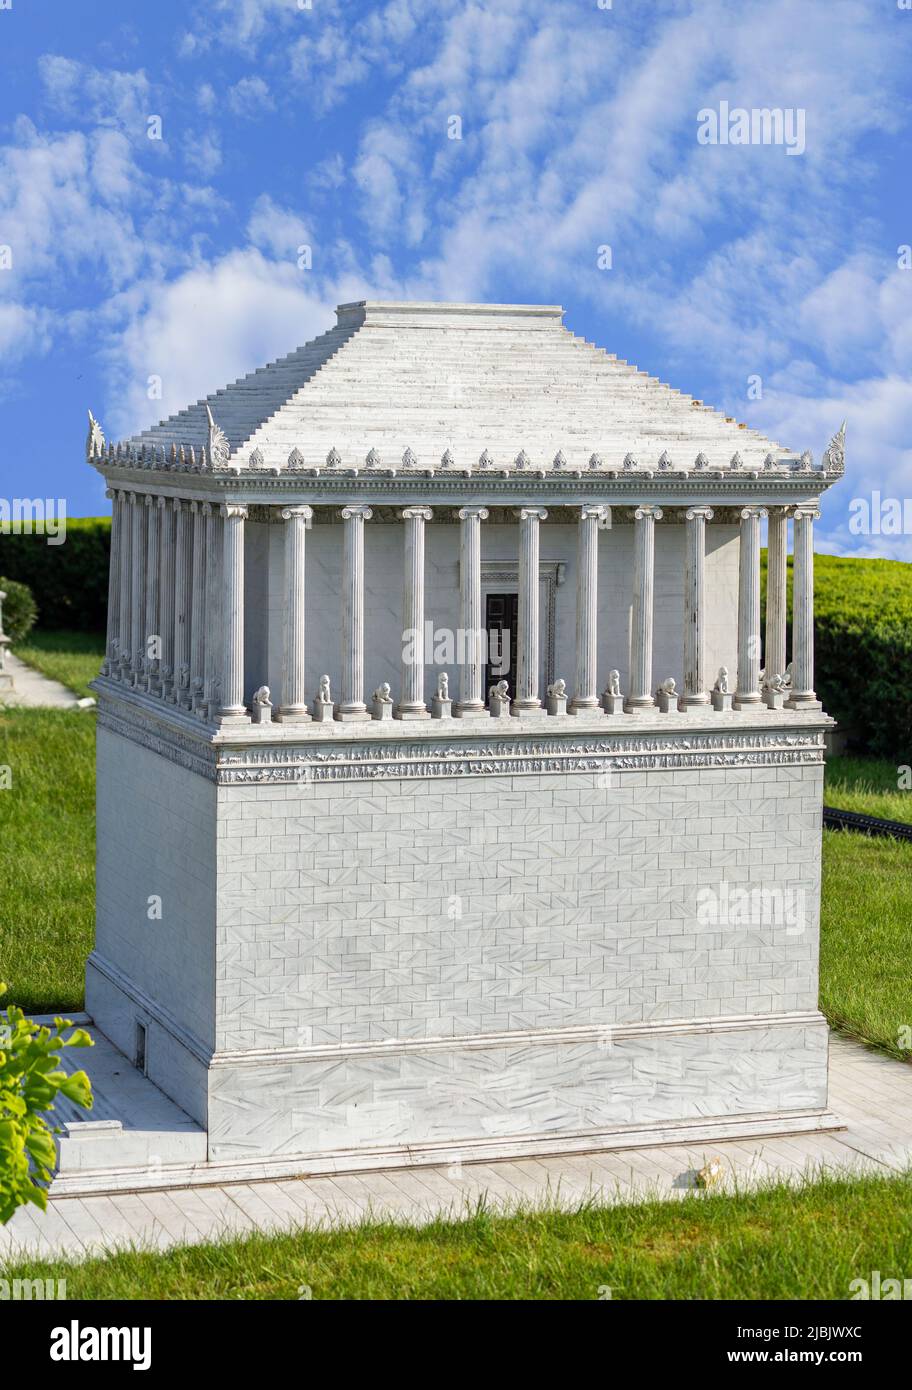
<point x="450" y="798"/>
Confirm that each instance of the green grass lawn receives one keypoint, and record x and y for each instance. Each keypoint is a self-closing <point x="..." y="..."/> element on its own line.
<point x="47" y="855"/>
<point x="807" y="1242"/>
<point x="869" y="785"/>
<point x="73" y="658"/>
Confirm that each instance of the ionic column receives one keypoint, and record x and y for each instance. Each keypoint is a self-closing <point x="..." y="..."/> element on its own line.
<point x="124" y="615"/>
<point x="181" y="675"/>
<point x="113" y="630"/>
<point x="471" y="704"/>
<point x="695" y="692"/>
<point x="199" y="512"/>
<point x="294" y="703"/>
<point x="153" y="628"/>
<point x="586" y="697"/>
<point x="166" y="597"/>
<point x="351" y="705"/>
<point x="640" y="694"/>
<point x="776" y="602"/>
<point x="525" y="700"/>
<point x="232" y="706"/>
<point x="748" y="688"/>
<point x="802" y="695"/>
<point x="137" y="591"/>
<point x="411" y="704"/>
<point x="213" y="656"/>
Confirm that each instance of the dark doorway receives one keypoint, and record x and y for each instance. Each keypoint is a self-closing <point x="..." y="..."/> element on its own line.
<point x="501" y="624"/>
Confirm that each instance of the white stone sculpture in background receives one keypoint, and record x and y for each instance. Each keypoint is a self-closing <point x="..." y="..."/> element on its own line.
<point x="261" y="708"/>
<point x="499" y="700"/>
<point x="324" y="709"/>
<point x="667" y="696"/>
<point x="774" y="692"/>
<point x="382" y="699"/>
<point x="612" y="699"/>
<point x="556" y="698"/>
<point x="721" y="691"/>
<point x="441" y="704"/>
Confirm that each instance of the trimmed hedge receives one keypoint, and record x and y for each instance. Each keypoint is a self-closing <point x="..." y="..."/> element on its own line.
<point x="863" y="650"/>
<point x="19" y="609"/>
<point x="69" y="581"/>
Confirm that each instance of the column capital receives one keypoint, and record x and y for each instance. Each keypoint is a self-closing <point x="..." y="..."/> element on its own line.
<point x="753" y="511"/>
<point x="234" y="510"/>
<point x="648" y="510"/>
<point x="149" y="500"/>
<point x="469" y="513"/>
<point x="532" y="513"/>
<point x="356" y="509"/>
<point x="110" y="492"/>
<point x="303" y="511"/>
<point x="694" y="513"/>
<point x="422" y="513"/>
<point x="161" y="502"/>
<point x="594" y="511"/>
<point x="806" y="511"/>
<point x="177" y="503"/>
<point x="206" y="508"/>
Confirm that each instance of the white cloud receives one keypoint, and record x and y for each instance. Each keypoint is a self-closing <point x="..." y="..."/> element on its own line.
<point x="277" y="230"/>
<point x="250" y="97"/>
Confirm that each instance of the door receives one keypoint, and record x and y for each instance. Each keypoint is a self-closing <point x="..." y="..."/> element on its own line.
<point x="501" y="624"/>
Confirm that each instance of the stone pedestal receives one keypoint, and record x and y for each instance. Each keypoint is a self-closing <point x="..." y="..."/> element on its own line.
<point x="722" y="700"/>
<point x="612" y="704"/>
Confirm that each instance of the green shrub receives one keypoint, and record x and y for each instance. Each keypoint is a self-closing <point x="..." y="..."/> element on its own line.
<point x="863" y="650"/>
<point x="69" y="581"/>
<point x="19" y="609"/>
<point x="30" y="1080"/>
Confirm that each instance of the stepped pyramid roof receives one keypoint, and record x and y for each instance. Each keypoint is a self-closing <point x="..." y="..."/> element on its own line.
<point x="464" y="388"/>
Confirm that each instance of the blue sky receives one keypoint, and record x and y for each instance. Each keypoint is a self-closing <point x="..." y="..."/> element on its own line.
<point x="285" y="125"/>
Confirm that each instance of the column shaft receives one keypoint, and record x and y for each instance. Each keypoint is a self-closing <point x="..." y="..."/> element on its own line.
<point x="776" y="601"/>
<point x="113" y="627"/>
<point x="411" y="703"/>
<point x="586" y="696"/>
<point x="695" y="692"/>
<point x="232" y="706"/>
<point x="525" y="698"/>
<point x="199" y="512"/>
<point x="802" y="694"/>
<point x="152" y="620"/>
<point x="748" y="689"/>
<point x="640" y="693"/>
<point x="473" y="637"/>
<point x="294" y="700"/>
<point x="351" y="705"/>
<point x="215" y="620"/>
<point x="139" y="636"/>
<point x="166" y="597"/>
<point x="181" y="679"/>
<point x="125" y="618"/>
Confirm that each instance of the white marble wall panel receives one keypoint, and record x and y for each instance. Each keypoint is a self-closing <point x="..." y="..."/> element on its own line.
<point x="521" y="1091"/>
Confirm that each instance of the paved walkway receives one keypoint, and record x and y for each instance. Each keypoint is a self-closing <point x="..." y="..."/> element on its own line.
<point x="871" y="1093"/>
<point x="31" y="688"/>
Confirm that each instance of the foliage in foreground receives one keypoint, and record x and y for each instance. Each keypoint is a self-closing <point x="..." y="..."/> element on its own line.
<point x="803" y="1242"/>
<point x="30" y="1081"/>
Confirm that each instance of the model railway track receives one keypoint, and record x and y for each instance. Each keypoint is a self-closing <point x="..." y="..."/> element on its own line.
<point x="865" y="825"/>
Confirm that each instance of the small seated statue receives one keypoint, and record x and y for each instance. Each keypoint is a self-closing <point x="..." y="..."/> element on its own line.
<point x="558" y="690"/>
<point x="325" y="695"/>
<point x="383" y="695"/>
<point x="262" y="706"/>
<point x="443" y="686"/>
<point x="722" y="681"/>
<point x="614" y="683"/>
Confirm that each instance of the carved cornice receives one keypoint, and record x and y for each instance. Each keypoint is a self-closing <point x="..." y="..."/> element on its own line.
<point x="319" y="759"/>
